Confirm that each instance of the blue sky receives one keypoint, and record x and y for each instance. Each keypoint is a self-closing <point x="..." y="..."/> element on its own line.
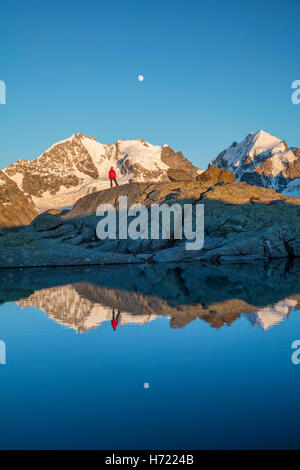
<point x="214" y="70"/>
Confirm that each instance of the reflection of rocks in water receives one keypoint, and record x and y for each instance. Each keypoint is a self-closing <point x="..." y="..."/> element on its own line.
<point x="83" y="306"/>
<point x="85" y="297"/>
<point x="70" y="308"/>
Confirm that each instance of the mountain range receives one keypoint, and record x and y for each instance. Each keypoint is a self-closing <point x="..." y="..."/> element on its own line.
<point x="79" y="165"/>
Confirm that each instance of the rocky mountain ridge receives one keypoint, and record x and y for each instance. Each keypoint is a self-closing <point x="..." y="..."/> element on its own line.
<point x="79" y="165"/>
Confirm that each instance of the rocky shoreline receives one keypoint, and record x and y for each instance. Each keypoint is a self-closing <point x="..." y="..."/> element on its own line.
<point x="243" y="223"/>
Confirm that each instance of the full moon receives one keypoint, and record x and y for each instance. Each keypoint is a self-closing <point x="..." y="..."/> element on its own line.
<point x="140" y="78"/>
<point x="146" y="385"/>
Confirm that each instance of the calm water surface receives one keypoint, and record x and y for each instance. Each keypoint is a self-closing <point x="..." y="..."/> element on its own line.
<point x="150" y="357"/>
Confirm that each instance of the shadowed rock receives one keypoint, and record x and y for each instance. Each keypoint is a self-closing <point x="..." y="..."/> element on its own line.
<point x="243" y="223"/>
<point x="46" y="222"/>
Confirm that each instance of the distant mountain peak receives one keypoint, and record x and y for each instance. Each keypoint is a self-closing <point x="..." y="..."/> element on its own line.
<point x="263" y="160"/>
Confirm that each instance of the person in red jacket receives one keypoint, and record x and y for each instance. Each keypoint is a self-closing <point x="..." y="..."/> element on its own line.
<point x="115" y="320"/>
<point x="112" y="177"/>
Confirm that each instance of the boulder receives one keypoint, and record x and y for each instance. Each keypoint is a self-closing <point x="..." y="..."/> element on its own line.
<point x="178" y="175"/>
<point x="215" y="175"/>
<point x="61" y="231"/>
<point x="243" y="193"/>
<point x="46" y="222"/>
<point x="211" y="175"/>
<point x="54" y="211"/>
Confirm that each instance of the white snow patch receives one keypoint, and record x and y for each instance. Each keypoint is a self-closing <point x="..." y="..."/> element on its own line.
<point x="95" y="149"/>
<point x="148" y="156"/>
<point x="65" y="198"/>
<point x="17" y="178"/>
<point x="278" y="160"/>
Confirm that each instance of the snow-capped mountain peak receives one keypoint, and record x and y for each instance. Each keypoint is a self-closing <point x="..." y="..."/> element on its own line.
<point x="79" y="165"/>
<point x="263" y="160"/>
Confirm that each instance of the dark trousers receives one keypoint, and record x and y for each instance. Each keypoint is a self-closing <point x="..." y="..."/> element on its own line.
<point x="113" y="180"/>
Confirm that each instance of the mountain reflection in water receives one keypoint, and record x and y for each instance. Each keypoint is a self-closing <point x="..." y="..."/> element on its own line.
<point x="84" y="298"/>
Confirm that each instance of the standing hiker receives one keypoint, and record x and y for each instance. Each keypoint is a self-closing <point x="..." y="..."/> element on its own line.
<point x="112" y="177"/>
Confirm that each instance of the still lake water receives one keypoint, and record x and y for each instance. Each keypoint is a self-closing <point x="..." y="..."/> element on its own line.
<point x="200" y="357"/>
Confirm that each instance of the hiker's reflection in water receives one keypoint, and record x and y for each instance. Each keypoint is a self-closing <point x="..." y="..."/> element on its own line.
<point x="115" y="319"/>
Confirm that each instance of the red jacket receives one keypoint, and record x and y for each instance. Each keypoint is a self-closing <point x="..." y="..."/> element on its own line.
<point x="112" y="174"/>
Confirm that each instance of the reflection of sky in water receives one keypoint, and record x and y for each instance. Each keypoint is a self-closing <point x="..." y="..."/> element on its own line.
<point x="214" y="380"/>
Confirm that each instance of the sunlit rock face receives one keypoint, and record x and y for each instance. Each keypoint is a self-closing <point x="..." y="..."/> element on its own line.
<point x="16" y="207"/>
